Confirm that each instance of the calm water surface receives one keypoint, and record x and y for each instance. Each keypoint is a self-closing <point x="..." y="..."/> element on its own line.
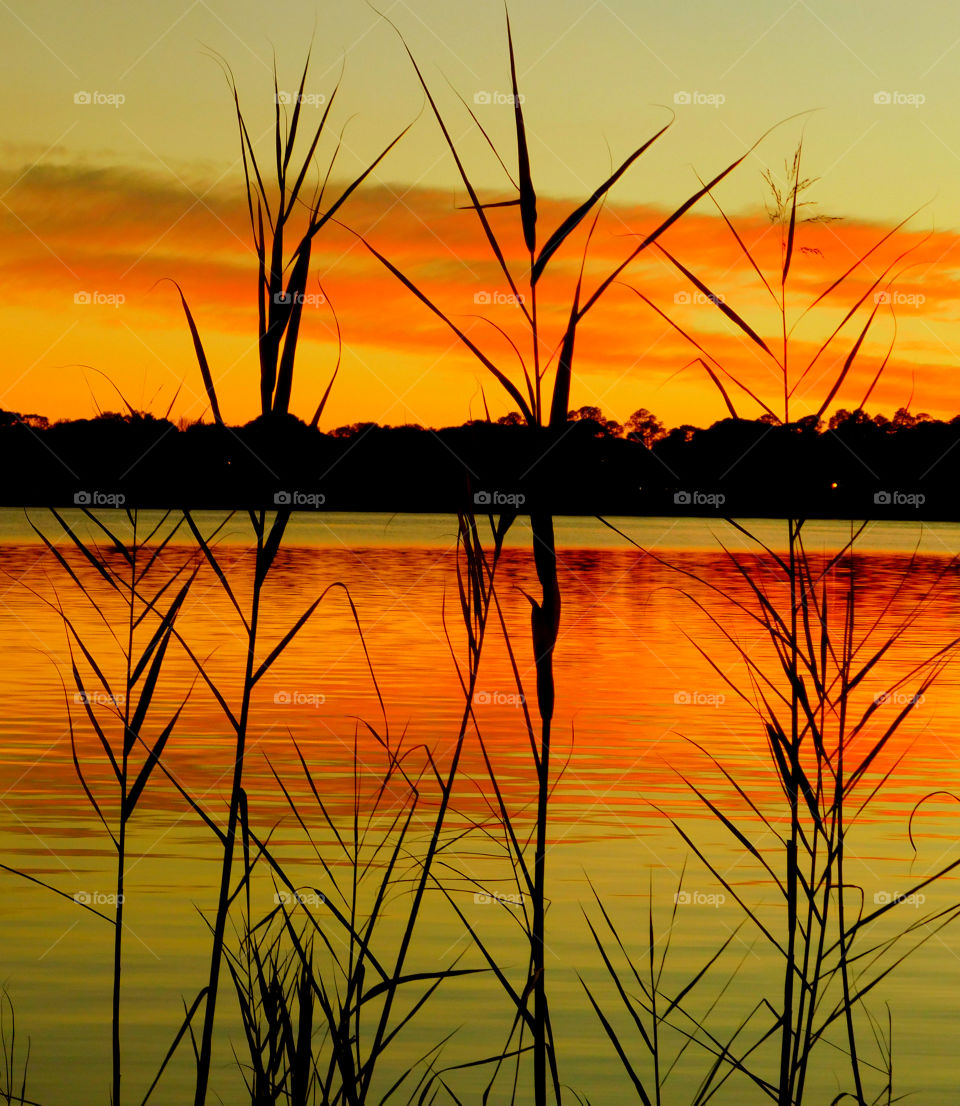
<point x="639" y="706"/>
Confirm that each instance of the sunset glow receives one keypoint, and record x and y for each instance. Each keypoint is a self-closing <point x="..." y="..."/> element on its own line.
<point x="479" y="552"/>
<point x="401" y="364"/>
<point x="104" y="196"/>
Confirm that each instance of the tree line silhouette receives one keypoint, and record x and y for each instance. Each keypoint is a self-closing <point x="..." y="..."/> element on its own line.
<point x="856" y="465"/>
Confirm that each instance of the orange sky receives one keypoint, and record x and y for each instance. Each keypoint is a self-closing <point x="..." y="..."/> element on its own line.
<point x="113" y="233"/>
<point x="119" y="166"/>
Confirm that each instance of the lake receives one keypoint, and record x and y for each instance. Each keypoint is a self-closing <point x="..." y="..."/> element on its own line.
<point x="645" y="653"/>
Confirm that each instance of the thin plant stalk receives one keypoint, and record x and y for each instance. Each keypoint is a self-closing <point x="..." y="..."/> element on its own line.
<point x="267" y="545"/>
<point x="9" y="1077"/>
<point x="123" y="567"/>
<point x="364" y="978"/>
<point x="284" y="214"/>
<point x="528" y="396"/>
<point x="806" y="704"/>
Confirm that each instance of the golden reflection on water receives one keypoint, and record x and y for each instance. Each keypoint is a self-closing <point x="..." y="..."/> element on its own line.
<point x="637" y="705"/>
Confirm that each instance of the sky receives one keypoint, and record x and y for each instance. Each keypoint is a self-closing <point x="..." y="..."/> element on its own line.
<point x="120" y="167"/>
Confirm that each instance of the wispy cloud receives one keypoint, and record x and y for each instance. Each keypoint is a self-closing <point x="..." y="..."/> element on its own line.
<point x="73" y="228"/>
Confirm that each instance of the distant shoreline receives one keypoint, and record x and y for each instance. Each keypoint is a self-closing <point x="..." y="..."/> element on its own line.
<point x="736" y="468"/>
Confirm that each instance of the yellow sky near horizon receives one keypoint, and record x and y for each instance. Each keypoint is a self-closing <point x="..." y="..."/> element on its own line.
<point x="125" y="171"/>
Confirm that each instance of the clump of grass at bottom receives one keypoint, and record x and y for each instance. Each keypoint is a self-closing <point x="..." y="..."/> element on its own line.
<point x="343" y="958"/>
<point x="13" y="1077"/>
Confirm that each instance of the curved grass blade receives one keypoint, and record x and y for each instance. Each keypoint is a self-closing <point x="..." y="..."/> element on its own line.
<point x="528" y="196"/>
<point x="573" y="220"/>
<point x="201" y="355"/>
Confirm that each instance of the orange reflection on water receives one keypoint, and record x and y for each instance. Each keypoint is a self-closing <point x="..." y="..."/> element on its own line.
<point x="634" y="690"/>
<point x="639" y="708"/>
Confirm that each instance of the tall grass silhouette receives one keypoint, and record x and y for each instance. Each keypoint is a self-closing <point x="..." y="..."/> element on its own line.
<point x="333" y="958"/>
<point x="327" y="981"/>
<point x="825" y="727"/>
<point x="285" y="218"/>
<point x="279" y="213"/>
<point x="541" y="406"/>
<point x="268" y="529"/>
<point x="119" y="712"/>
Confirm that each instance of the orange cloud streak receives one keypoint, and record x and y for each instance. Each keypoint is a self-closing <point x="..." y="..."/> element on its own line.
<point x="112" y="235"/>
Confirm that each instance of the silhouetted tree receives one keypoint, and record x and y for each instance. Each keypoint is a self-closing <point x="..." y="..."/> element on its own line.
<point x="679" y="435"/>
<point x="643" y="426"/>
<point x="844" y="419"/>
<point x="601" y="427"/>
<point x="904" y="420"/>
<point x="354" y="429"/>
